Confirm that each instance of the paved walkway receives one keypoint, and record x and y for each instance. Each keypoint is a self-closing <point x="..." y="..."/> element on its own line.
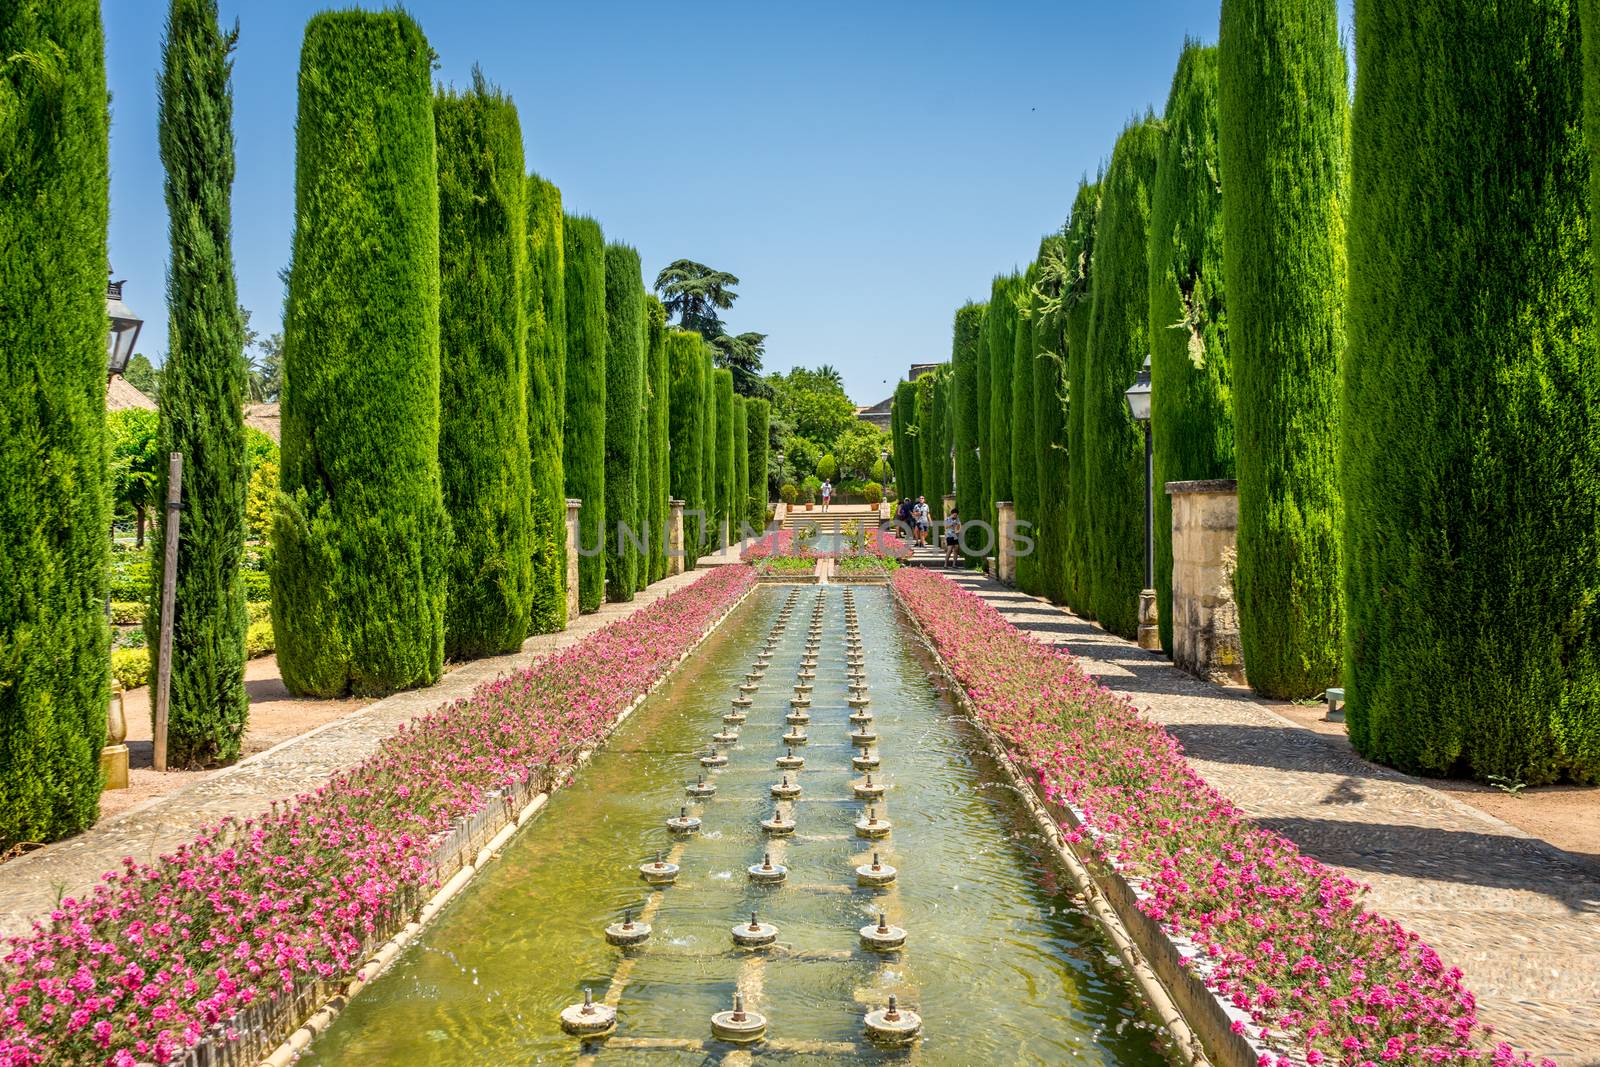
<point x="33" y="883"/>
<point x="1519" y="916"/>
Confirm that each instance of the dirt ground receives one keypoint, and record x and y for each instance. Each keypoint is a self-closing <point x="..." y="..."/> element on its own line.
<point x="1567" y="816"/>
<point x="275" y="717"/>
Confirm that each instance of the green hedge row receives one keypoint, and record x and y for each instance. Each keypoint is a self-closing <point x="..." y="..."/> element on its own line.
<point x="584" y="256"/>
<point x="1077" y="312"/>
<point x="722" y="389"/>
<point x="687" y="365"/>
<point x="625" y="344"/>
<point x="546" y="347"/>
<point x="658" y="378"/>
<point x="1050" y="418"/>
<point x="739" y="491"/>
<point x="1000" y="328"/>
<point x="758" y="427"/>
<point x="1024" y="463"/>
<point x="966" y="348"/>
<point x="708" y="453"/>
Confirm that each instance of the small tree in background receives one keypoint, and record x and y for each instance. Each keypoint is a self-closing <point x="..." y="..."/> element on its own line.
<point x="54" y="512"/>
<point x="134" y="436"/>
<point x="360" y="540"/>
<point x="203" y="394"/>
<point x="584" y="262"/>
<point x="546" y="348"/>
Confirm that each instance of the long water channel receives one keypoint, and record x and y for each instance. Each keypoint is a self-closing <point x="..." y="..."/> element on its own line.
<point x="999" y="961"/>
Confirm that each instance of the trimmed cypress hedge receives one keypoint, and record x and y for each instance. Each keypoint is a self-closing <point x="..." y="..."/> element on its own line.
<point x="54" y="508"/>
<point x="739" y="497"/>
<point x="927" y="441"/>
<point x="202" y="397"/>
<point x="584" y="271"/>
<point x="758" y="428"/>
<point x="546" y="347"/>
<point x="1189" y="360"/>
<point x="1114" y="474"/>
<point x="1024" y="464"/>
<point x="686" y="361"/>
<point x="625" y="342"/>
<point x="360" y="539"/>
<point x="934" y="459"/>
<point x="1282" y="95"/>
<point x="1471" y="467"/>
<point x="722" y="388"/>
<point x="483" y="379"/>
<point x="1000" y="324"/>
<point x="904" y="404"/>
<point x="966" y="345"/>
<point x="708" y="450"/>
<point x="659" y="377"/>
<point x="1077" y="309"/>
<point x="1050" y="423"/>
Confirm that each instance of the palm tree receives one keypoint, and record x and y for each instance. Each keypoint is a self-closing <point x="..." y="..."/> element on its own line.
<point x="695" y="293"/>
<point x="830" y="375"/>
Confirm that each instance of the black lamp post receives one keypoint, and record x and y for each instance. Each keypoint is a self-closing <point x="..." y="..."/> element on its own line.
<point x="124" y="334"/>
<point x="1138" y="397"/>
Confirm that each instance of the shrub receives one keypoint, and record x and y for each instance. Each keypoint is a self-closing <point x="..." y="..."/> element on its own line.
<point x="258" y="640"/>
<point x="788" y="492"/>
<point x="584" y="259"/>
<point x="257" y="586"/>
<point x="872" y="491"/>
<point x="809" y="487"/>
<point x="827" y="467"/>
<point x="686" y="357"/>
<point x="1189" y="358"/>
<point x="130" y="667"/>
<point x="127" y="612"/>
<point x="483" y="417"/>
<point x="966" y="355"/>
<point x="1114" y="467"/>
<point x="54" y="508"/>
<point x="1470" y="493"/>
<point x="546" y="348"/>
<point x="130" y="578"/>
<point x="257" y="613"/>
<point x="1282" y="95"/>
<point x="758" y="429"/>
<point x="625" y="341"/>
<point x="1077" y="310"/>
<point x="260" y="499"/>
<point x="360" y="537"/>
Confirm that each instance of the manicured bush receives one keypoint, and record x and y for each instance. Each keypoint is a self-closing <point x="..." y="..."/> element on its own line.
<point x="584" y="448"/>
<point x="686" y="356"/>
<point x="202" y="396"/>
<point x="258" y="639"/>
<point x="625" y="343"/>
<point x="130" y="667"/>
<point x="1050" y="416"/>
<point x="873" y="492"/>
<point x="361" y="538"/>
<point x="1024" y="464"/>
<point x="659" y="376"/>
<point x="902" y="420"/>
<point x="54" y="507"/>
<point x="546" y="347"/>
<point x="1470" y="467"/>
<point x="966" y="355"/>
<point x="810" y="485"/>
<point x="1282" y="95"/>
<point x="722" y="386"/>
<point x="1000" y="340"/>
<point x="1114" y="474"/>
<point x="1190" y="371"/>
<point x="739" y="492"/>
<point x="1077" y="311"/>
<point x="758" y="419"/>
<point x="483" y="382"/>
<point x="788" y="492"/>
<point x="827" y="467"/>
<point x="708" y="469"/>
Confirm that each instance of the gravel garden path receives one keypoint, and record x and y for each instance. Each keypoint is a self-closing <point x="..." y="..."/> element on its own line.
<point x="1518" y="915"/>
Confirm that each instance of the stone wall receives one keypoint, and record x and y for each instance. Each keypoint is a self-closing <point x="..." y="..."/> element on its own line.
<point x="1205" y="622"/>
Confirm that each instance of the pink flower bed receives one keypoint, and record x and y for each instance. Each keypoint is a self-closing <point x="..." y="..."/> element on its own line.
<point x="159" y="955"/>
<point x="879" y="542"/>
<point x="1283" y="937"/>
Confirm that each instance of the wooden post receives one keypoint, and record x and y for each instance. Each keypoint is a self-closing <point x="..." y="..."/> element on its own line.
<point x="169" y="581"/>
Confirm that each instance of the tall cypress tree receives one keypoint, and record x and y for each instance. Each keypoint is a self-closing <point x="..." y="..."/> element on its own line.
<point x="625" y="342"/>
<point x="983" y="446"/>
<point x="1471" y="458"/>
<point x="686" y="361"/>
<point x="1000" y="324"/>
<point x="708" y="452"/>
<point x="966" y="346"/>
<point x="1050" y="417"/>
<point x="1283" y="108"/>
<point x="758" y="428"/>
<point x="483" y="387"/>
<point x="722" y="389"/>
<point x="906" y="476"/>
<point x="202" y="395"/>
<point x="546" y="348"/>
<point x="1077" y="310"/>
<point x="584" y="256"/>
<point x="927" y="440"/>
<point x="360" y="538"/>
<point x="1024" y="445"/>
<point x="739" y="501"/>
<point x="659" y="378"/>
<point x="54" y="509"/>
<point x="1114" y="466"/>
<point x="934" y="458"/>
<point x="1191" y="406"/>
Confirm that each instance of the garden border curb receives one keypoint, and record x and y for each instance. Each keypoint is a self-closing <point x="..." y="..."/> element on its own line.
<point x="320" y="1020"/>
<point x="1200" y="1024"/>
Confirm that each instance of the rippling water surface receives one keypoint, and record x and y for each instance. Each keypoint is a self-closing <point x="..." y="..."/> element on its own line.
<point x="1000" y="962"/>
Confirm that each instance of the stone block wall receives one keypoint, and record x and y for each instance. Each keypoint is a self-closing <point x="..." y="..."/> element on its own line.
<point x="1205" y="621"/>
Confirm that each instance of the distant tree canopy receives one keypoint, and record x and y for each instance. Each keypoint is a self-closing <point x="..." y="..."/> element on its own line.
<point x="695" y="293"/>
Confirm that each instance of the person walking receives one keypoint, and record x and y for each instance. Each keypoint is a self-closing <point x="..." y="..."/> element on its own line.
<point x="920" y="513"/>
<point x="827" y="494"/>
<point x="952" y="536"/>
<point x="904" y="523"/>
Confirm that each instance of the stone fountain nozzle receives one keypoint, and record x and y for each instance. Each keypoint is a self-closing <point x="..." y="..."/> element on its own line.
<point x="893" y="1013"/>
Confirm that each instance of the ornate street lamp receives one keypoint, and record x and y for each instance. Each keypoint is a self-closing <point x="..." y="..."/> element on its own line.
<point x="124" y="333"/>
<point x="1138" y="397"/>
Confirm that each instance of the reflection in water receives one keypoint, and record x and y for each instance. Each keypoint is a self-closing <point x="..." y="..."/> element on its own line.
<point x="1000" y="962"/>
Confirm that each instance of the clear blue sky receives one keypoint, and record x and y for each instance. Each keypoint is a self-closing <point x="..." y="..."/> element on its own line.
<point x="863" y="168"/>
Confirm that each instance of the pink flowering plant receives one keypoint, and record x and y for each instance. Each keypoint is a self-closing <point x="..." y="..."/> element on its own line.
<point x="1278" y="934"/>
<point x="160" y="956"/>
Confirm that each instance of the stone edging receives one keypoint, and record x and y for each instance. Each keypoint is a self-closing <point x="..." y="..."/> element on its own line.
<point x="1198" y="1021"/>
<point x="297" y="1042"/>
